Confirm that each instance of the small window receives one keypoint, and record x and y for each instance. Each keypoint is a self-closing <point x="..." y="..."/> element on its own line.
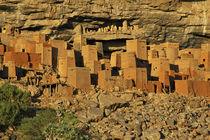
<point x="155" y="88"/>
<point x="23" y="50"/>
<point x="103" y="67"/>
<point x="30" y="65"/>
<point x="204" y="60"/>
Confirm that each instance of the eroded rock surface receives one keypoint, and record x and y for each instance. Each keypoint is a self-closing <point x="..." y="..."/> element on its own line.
<point x="182" y="21"/>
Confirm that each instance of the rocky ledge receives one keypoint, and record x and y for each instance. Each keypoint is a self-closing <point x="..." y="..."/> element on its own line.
<point x="183" y="21"/>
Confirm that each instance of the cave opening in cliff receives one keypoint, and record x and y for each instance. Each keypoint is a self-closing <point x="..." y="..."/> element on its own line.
<point x="110" y="46"/>
<point x="37" y="28"/>
<point x="6" y="8"/>
<point x="90" y="23"/>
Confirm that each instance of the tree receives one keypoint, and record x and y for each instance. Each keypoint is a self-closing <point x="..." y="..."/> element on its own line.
<point x="32" y="128"/>
<point x="65" y="129"/>
<point x="13" y="102"/>
<point x="46" y="124"/>
<point x="8" y="112"/>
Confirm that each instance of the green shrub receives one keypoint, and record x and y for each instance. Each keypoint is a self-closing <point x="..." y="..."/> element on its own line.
<point x="8" y="112"/>
<point x="32" y="128"/>
<point x="13" y="102"/>
<point x="69" y="117"/>
<point x="64" y="130"/>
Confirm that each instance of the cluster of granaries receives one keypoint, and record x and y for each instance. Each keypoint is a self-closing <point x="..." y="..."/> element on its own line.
<point x="114" y="28"/>
<point x="152" y="68"/>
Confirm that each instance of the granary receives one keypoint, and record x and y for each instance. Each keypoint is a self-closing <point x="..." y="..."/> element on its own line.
<point x="105" y="62"/>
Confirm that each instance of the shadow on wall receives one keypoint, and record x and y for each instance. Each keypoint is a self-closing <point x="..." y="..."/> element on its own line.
<point x="7" y="8"/>
<point x="37" y="28"/>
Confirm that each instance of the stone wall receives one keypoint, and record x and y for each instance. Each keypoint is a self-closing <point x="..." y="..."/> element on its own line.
<point x="183" y="21"/>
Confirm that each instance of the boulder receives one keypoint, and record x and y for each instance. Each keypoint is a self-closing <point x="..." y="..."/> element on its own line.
<point x="110" y="101"/>
<point x="95" y="114"/>
<point x="152" y="134"/>
<point x="82" y="116"/>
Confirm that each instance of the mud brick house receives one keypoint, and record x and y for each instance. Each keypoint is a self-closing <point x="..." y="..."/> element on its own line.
<point x="79" y="77"/>
<point x="116" y="59"/>
<point x="103" y="61"/>
<point x="139" y="47"/>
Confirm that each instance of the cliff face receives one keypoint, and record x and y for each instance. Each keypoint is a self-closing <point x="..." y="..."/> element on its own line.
<point x="184" y="21"/>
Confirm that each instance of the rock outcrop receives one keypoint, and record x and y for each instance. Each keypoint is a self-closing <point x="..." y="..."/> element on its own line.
<point x="184" y="21"/>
